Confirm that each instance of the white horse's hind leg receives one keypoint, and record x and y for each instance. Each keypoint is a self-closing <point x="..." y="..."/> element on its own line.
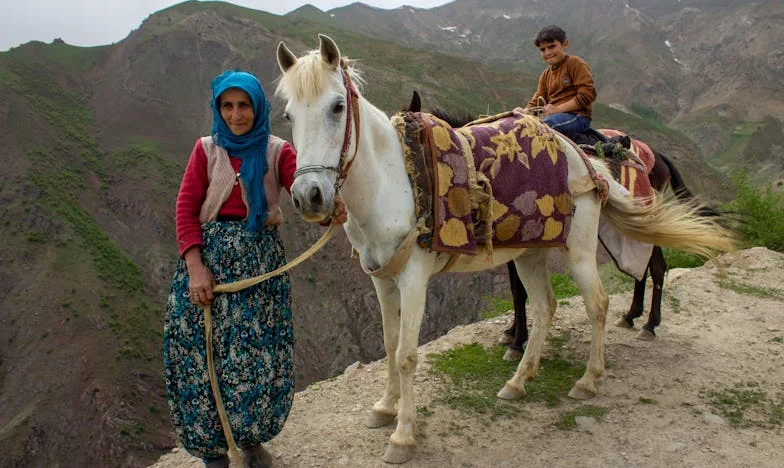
<point x="532" y="268"/>
<point x="413" y="291"/>
<point x="581" y="259"/>
<point x="384" y="412"/>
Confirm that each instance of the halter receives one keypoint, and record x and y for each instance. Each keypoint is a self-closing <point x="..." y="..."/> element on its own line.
<point x="352" y="113"/>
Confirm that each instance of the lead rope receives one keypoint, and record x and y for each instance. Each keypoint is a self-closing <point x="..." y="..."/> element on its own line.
<point x="234" y="450"/>
<point x="539" y="108"/>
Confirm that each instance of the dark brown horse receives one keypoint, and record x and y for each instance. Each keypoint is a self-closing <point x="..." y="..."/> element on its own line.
<point x="662" y="174"/>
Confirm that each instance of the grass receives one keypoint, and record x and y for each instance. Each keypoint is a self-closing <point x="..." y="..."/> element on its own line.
<point x="567" y="421"/>
<point x="563" y="287"/>
<point x="751" y="290"/>
<point x="680" y="259"/>
<point x="472" y="375"/>
<point x="746" y="404"/>
<point x="498" y="307"/>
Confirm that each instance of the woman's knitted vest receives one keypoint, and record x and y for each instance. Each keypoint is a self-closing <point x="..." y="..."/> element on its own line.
<point x="221" y="178"/>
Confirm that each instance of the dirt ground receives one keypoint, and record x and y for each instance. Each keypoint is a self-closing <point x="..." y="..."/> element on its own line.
<point x="718" y="334"/>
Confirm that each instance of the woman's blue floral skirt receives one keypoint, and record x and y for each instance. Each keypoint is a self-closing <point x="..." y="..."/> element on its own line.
<point x="253" y="344"/>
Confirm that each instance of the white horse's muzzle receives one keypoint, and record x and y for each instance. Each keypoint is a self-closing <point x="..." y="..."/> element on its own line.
<point x="314" y="195"/>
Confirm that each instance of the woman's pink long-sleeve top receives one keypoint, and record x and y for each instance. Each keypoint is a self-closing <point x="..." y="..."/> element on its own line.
<point x="193" y="191"/>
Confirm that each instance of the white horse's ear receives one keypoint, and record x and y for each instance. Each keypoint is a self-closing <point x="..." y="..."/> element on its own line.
<point x="329" y="51"/>
<point x="286" y="59"/>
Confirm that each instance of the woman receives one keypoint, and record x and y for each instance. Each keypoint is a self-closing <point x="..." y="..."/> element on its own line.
<point x="226" y="217"/>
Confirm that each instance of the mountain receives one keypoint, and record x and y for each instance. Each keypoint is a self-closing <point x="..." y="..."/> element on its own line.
<point x="96" y="140"/>
<point x="711" y="69"/>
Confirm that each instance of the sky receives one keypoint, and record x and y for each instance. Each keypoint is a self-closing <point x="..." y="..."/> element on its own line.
<point x="101" y="22"/>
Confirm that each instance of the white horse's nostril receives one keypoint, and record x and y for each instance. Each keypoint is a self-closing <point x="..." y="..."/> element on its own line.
<point x="315" y="197"/>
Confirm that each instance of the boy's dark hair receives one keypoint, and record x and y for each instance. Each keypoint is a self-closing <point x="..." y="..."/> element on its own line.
<point x="548" y="34"/>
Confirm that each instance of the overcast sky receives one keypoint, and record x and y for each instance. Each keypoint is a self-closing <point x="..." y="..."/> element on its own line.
<point x="100" y="22"/>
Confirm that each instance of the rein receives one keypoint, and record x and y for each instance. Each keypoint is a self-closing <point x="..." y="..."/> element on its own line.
<point x="236" y="454"/>
<point x="352" y="115"/>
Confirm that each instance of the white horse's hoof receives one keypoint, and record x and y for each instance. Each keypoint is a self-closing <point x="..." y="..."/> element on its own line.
<point x="510" y="393"/>
<point x="398" y="454"/>
<point x="581" y="393"/>
<point x="512" y="355"/>
<point x="621" y="322"/>
<point x="646" y="335"/>
<point x="376" y="419"/>
<point x="505" y="339"/>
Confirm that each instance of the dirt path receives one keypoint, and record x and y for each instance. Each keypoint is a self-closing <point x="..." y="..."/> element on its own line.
<point x="720" y="337"/>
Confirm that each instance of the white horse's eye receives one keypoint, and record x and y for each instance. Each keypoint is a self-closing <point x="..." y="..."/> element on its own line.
<point x="286" y="116"/>
<point x="338" y="108"/>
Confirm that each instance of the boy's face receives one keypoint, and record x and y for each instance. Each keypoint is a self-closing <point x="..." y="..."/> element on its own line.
<point x="553" y="53"/>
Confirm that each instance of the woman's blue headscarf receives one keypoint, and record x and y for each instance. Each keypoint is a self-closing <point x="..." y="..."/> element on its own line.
<point x="250" y="147"/>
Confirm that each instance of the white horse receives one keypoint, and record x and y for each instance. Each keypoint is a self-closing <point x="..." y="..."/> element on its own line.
<point x="345" y="143"/>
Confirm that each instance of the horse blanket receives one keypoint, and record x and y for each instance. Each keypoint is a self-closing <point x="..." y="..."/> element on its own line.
<point x="499" y="181"/>
<point x="631" y="169"/>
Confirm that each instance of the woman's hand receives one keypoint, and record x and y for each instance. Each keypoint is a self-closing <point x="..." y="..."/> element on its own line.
<point x="341" y="215"/>
<point x="200" y="278"/>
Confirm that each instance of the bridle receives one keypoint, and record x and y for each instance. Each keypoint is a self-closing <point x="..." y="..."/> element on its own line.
<point x="352" y="114"/>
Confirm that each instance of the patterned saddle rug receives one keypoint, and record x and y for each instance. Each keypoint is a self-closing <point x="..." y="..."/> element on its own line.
<point x="631" y="166"/>
<point x="499" y="181"/>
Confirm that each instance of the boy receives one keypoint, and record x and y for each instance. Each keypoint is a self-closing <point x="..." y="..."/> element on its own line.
<point x="565" y="87"/>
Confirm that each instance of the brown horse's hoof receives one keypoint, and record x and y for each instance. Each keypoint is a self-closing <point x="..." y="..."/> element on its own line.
<point x="376" y="419"/>
<point x="398" y="454"/>
<point x="512" y="355"/>
<point x="646" y="335"/>
<point x="621" y="322"/>
<point x="505" y="339"/>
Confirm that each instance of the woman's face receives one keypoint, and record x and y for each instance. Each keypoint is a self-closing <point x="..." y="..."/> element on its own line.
<point x="236" y="109"/>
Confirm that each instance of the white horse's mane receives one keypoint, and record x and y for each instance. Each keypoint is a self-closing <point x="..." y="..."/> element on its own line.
<point x="306" y="78"/>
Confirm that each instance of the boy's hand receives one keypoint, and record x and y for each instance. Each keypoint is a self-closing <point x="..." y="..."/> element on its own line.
<point x="549" y="109"/>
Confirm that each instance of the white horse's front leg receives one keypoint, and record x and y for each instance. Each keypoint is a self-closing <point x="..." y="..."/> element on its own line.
<point x="413" y="292"/>
<point x="384" y="412"/>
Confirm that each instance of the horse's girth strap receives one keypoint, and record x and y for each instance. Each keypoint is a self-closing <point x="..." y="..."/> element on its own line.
<point x="398" y="260"/>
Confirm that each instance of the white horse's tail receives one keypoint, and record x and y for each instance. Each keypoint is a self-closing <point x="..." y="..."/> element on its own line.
<point x="665" y="221"/>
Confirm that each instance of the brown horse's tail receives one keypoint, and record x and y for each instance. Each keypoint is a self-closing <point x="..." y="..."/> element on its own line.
<point x="668" y="222"/>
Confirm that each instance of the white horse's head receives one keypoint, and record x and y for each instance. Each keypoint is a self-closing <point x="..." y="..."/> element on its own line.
<point x="318" y="106"/>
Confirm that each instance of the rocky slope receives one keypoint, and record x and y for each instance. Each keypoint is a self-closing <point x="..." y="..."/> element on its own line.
<point x="706" y="392"/>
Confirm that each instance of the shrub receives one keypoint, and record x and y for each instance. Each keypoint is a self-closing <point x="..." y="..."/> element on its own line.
<point x="761" y="213"/>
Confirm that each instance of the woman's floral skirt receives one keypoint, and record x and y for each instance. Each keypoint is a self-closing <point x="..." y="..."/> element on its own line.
<point x="253" y="344"/>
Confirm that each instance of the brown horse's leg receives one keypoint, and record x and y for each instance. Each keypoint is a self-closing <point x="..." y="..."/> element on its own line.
<point x="519" y="329"/>
<point x="638" y="302"/>
<point x="510" y="332"/>
<point x="658" y="267"/>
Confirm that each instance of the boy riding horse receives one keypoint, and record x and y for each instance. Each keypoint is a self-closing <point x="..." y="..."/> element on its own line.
<point x="565" y="93"/>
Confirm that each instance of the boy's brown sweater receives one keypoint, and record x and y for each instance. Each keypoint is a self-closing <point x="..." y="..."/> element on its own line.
<point x="567" y="80"/>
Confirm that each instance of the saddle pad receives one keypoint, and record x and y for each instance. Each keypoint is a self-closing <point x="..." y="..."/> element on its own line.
<point x="634" y="174"/>
<point x="521" y="163"/>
